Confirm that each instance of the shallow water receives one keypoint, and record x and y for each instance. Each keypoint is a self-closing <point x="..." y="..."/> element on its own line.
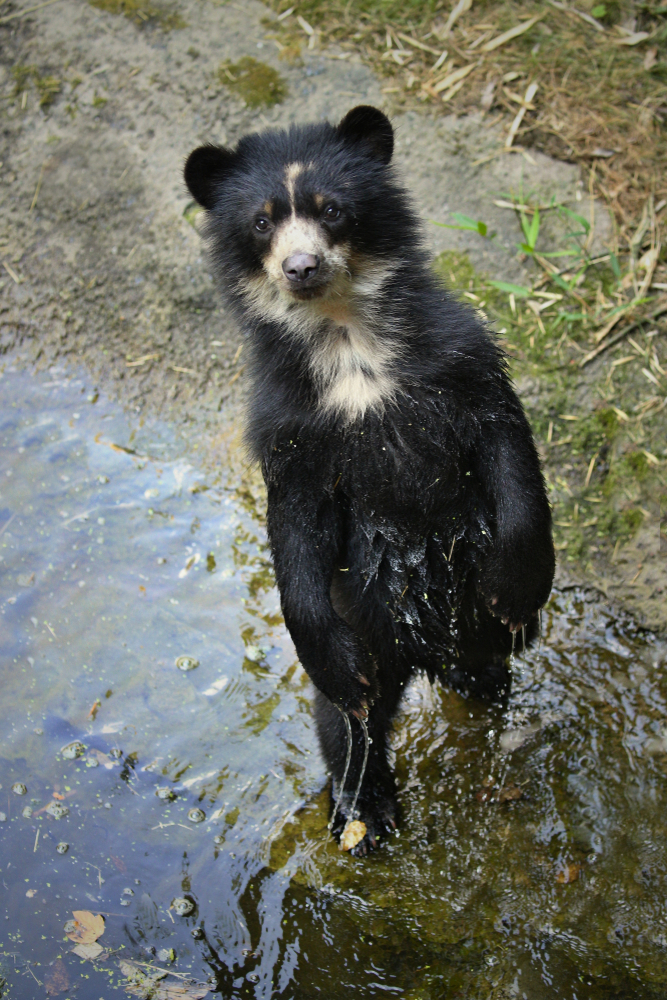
<point x="531" y="861"/>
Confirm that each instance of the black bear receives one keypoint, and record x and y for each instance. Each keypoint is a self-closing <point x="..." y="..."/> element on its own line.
<point x="407" y="513"/>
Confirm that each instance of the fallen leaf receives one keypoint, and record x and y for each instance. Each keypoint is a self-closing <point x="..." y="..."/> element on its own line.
<point x="57" y="980"/>
<point x="651" y="58"/>
<point x="87" y="927"/>
<point x="510" y="793"/>
<point x="633" y="39"/>
<point x="353" y="834"/>
<point x="89" y="951"/>
<point x="570" y="873"/>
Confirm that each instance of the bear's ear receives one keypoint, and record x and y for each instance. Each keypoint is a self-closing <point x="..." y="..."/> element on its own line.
<point x="369" y="127"/>
<point x="205" y="167"/>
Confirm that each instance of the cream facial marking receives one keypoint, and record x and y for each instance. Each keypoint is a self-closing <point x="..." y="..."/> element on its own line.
<point x="294" y="235"/>
<point x="292" y="171"/>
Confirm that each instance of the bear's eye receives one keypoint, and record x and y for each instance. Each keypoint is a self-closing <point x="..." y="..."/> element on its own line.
<point x="331" y="212"/>
<point x="262" y="224"/>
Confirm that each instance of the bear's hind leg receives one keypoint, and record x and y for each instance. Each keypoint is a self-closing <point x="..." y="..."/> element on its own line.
<point x="376" y="805"/>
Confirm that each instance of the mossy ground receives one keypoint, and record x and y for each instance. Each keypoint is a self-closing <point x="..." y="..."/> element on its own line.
<point x="257" y="83"/>
<point x="143" y="12"/>
<point x="601" y="429"/>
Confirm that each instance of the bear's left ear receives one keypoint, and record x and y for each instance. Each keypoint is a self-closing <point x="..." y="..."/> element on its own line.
<point x="205" y="167"/>
<point x="369" y="127"/>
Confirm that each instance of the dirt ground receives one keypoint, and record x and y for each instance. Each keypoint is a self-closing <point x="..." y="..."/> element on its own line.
<point x="102" y="267"/>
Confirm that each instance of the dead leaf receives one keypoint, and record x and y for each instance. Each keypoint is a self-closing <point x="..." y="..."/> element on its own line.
<point x="89" y="951"/>
<point x="570" y="873"/>
<point x="634" y="38"/>
<point x="510" y="793"/>
<point x="353" y="834"/>
<point x="57" y="981"/>
<point x="87" y="927"/>
<point x="651" y="58"/>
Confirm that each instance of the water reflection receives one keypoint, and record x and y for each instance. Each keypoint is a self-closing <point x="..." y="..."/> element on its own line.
<point x="531" y="859"/>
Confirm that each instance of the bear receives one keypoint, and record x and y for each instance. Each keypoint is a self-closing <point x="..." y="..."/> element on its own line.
<point x="408" y="518"/>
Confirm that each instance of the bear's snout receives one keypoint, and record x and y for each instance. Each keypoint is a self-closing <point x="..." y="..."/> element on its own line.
<point x="301" y="267"/>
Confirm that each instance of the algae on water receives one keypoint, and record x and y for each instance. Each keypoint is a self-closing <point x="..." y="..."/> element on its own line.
<point x="258" y="84"/>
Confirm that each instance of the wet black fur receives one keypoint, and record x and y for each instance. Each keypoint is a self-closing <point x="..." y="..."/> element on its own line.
<point x="363" y="517"/>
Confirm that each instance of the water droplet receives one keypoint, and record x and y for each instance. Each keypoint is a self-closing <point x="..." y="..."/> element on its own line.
<point x="165" y="793"/>
<point x="128" y="892"/>
<point x="196" y="815"/>
<point x="19" y="788"/>
<point x="62" y="847"/>
<point x="27" y="812"/>
<point x="73" y="750"/>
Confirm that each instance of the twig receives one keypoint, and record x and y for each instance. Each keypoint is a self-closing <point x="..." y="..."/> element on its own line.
<point x="621" y="334"/>
<point x="7" y="523"/>
<point x="11" y="272"/>
<point x="28" y="10"/>
<point x="39" y="184"/>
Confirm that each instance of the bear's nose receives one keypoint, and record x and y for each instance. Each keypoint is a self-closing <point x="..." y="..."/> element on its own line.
<point x="299" y="267"/>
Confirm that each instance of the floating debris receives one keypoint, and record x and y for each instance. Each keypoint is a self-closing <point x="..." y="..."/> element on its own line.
<point x="196" y="815"/>
<point x="182" y="907"/>
<point x="186" y="663"/>
<point x="353" y="834"/>
<point x="27" y="812"/>
<point x="3" y="817"/>
<point x="255" y="654"/>
<point x="165" y="793"/>
<point x="57" y="810"/>
<point x="166" y="955"/>
<point x="92" y="762"/>
<point x="85" y="928"/>
<point x="19" y="788"/>
<point x="115" y="753"/>
<point x="73" y="750"/>
<point x="62" y="847"/>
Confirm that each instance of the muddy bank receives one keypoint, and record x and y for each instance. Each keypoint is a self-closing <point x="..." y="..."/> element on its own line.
<point x="103" y="265"/>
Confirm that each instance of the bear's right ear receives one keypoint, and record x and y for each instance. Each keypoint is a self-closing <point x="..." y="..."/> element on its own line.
<point x="204" y="169"/>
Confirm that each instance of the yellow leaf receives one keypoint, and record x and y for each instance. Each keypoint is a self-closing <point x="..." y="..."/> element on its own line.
<point x="87" y="927"/>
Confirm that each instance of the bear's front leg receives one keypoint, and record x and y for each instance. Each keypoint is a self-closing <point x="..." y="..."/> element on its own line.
<point x="304" y="526"/>
<point x="518" y="570"/>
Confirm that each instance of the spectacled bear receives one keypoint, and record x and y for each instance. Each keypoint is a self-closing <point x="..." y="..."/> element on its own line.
<point x="407" y="513"/>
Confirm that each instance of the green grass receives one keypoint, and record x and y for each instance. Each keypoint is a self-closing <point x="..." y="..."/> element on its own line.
<point x="606" y="467"/>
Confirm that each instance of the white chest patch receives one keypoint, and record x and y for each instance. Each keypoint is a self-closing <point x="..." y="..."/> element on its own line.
<point x="354" y="370"/>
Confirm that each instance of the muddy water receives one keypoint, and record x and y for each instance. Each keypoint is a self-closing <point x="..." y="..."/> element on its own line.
<point x="531" y="861"/>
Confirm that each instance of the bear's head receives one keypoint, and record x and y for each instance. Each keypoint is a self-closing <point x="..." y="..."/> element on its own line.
<point x="304" y="220"/>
